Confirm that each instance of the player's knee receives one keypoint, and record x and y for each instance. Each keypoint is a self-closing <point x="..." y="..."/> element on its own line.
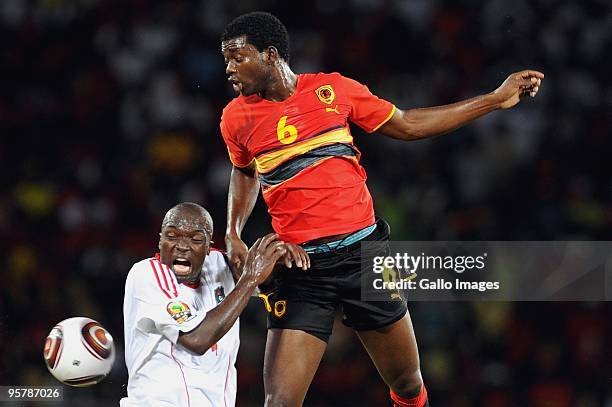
<point x="280" y="394"/>
<point x="408" y="383"/>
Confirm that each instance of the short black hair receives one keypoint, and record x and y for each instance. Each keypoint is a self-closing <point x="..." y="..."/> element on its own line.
<point x="261" y="30"/>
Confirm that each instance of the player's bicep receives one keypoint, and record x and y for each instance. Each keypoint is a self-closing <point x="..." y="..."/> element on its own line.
<point x="193" y="340"/>
<point x="396" y="127"/>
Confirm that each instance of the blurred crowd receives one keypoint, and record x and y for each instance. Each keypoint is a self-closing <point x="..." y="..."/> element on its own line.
<point x="109" y="115"/>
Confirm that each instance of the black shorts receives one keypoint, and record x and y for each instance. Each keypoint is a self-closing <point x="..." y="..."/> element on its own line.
<point x="308" y="300"/>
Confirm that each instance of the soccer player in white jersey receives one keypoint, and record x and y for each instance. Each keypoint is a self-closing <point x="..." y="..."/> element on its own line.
<point x="181" y="311"/>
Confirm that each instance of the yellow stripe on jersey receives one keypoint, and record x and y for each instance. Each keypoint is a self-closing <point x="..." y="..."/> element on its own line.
<point x="384" y="121"/>
<point x="269" y="161"/>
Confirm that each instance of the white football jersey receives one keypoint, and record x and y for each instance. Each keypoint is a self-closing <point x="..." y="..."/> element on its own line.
<point x="155" y="309"/>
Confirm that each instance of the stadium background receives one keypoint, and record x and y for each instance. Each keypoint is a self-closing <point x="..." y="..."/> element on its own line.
<point x="109" y="115"/>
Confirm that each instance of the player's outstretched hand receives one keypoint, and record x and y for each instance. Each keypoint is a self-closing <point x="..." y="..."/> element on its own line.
<point x="517" y="86"/>
<point x="262" y="258"/>
<point x="236" y="253"/>
<point x="296" y="254"/>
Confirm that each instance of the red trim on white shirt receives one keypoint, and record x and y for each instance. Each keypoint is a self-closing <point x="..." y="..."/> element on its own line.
<point x="156" y="274"/>
<point x="229" y="363"/>
<point x="163" y="274"/>
<point x="195" y="285"/>
<point x="182" y="373"/>
<point x="171" y="277"/>
<point x="167" y="272"/>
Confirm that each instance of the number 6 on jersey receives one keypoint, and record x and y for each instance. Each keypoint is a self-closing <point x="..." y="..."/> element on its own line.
<point x="286" y="133"/>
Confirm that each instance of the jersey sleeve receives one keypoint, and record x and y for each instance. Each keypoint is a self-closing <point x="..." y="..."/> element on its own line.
<point x="367" y="110"/>
<point x="158" y="309"/>
<point x="238" y="153"/>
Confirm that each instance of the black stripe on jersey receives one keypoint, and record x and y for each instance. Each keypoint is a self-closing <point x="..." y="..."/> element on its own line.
<point x="292" y="167"/>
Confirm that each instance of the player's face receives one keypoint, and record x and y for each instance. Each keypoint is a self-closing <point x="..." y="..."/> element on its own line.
<point x="245" y="66"/>
<point x="184" y="243"/>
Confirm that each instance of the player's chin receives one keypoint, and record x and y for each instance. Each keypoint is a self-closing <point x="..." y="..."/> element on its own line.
<point x="246" y="91"/>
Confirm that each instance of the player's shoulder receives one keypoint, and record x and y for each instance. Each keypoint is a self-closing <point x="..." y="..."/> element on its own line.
<point x="235" y="114"/>
<point x="228" y="112"/>
<point x="237" y="106"/>
<point x="320" y="78"/>
<point x="329" y="77"/>
<point x="140" y="268"/>
<point x="335" y="80"/>
<point x="216" y="261"/>
<point x="216" y="266"/>
<point x="233" y="104"/>
<point x="151" y="274"/>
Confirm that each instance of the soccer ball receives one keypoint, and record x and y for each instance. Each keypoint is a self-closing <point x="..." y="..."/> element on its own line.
<point x="79" y="352"/>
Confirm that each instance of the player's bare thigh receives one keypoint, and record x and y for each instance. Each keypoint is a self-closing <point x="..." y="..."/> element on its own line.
<point x="393" y="350"/>
<point x="291" y="360"/>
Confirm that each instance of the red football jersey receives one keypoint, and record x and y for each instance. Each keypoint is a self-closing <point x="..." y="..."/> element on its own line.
<point x="306" y="161"/>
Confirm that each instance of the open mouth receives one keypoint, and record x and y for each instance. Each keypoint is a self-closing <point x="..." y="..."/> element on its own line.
<point x="181" y="266"/>
<point x="236" y="85"/>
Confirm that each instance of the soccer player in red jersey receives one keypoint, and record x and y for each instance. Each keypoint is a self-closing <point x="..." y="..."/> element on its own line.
<point x="289" y="134"/>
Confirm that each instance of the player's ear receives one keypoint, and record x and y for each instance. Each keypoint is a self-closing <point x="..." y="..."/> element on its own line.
<point x="271" y="55"/>
<point x="159" y="242"/>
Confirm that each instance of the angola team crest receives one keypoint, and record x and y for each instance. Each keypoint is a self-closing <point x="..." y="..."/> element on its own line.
<point x="326" y="94"/>
<point x="179" y="311"/>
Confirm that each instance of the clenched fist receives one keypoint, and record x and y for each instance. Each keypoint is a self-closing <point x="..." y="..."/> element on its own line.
<point x="517" y="86"/>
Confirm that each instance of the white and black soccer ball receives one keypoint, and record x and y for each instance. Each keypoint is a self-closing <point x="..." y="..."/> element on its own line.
<point x="79" y="352"/>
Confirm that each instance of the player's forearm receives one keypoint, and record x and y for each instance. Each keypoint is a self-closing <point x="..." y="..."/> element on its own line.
<point x="220" y="319"/>
<point x="242" y="195"/>
<point x="426" y="122"/>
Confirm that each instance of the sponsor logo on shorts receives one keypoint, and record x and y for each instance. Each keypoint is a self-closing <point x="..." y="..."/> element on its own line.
<point x="391" y="275"/>
<point x="179" y="311"/>
<point x="266" y="301"/>
<point x="280" y="307"/>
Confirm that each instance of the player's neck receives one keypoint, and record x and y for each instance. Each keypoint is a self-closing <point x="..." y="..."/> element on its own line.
<point x="283" y="83"/>
<point x="193" y="282"/>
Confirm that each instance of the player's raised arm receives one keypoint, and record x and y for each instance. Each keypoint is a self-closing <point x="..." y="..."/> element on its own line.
<point x="426" y="122"/>
<point x="241" y="198"/>
<point x="259" y="264"/>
